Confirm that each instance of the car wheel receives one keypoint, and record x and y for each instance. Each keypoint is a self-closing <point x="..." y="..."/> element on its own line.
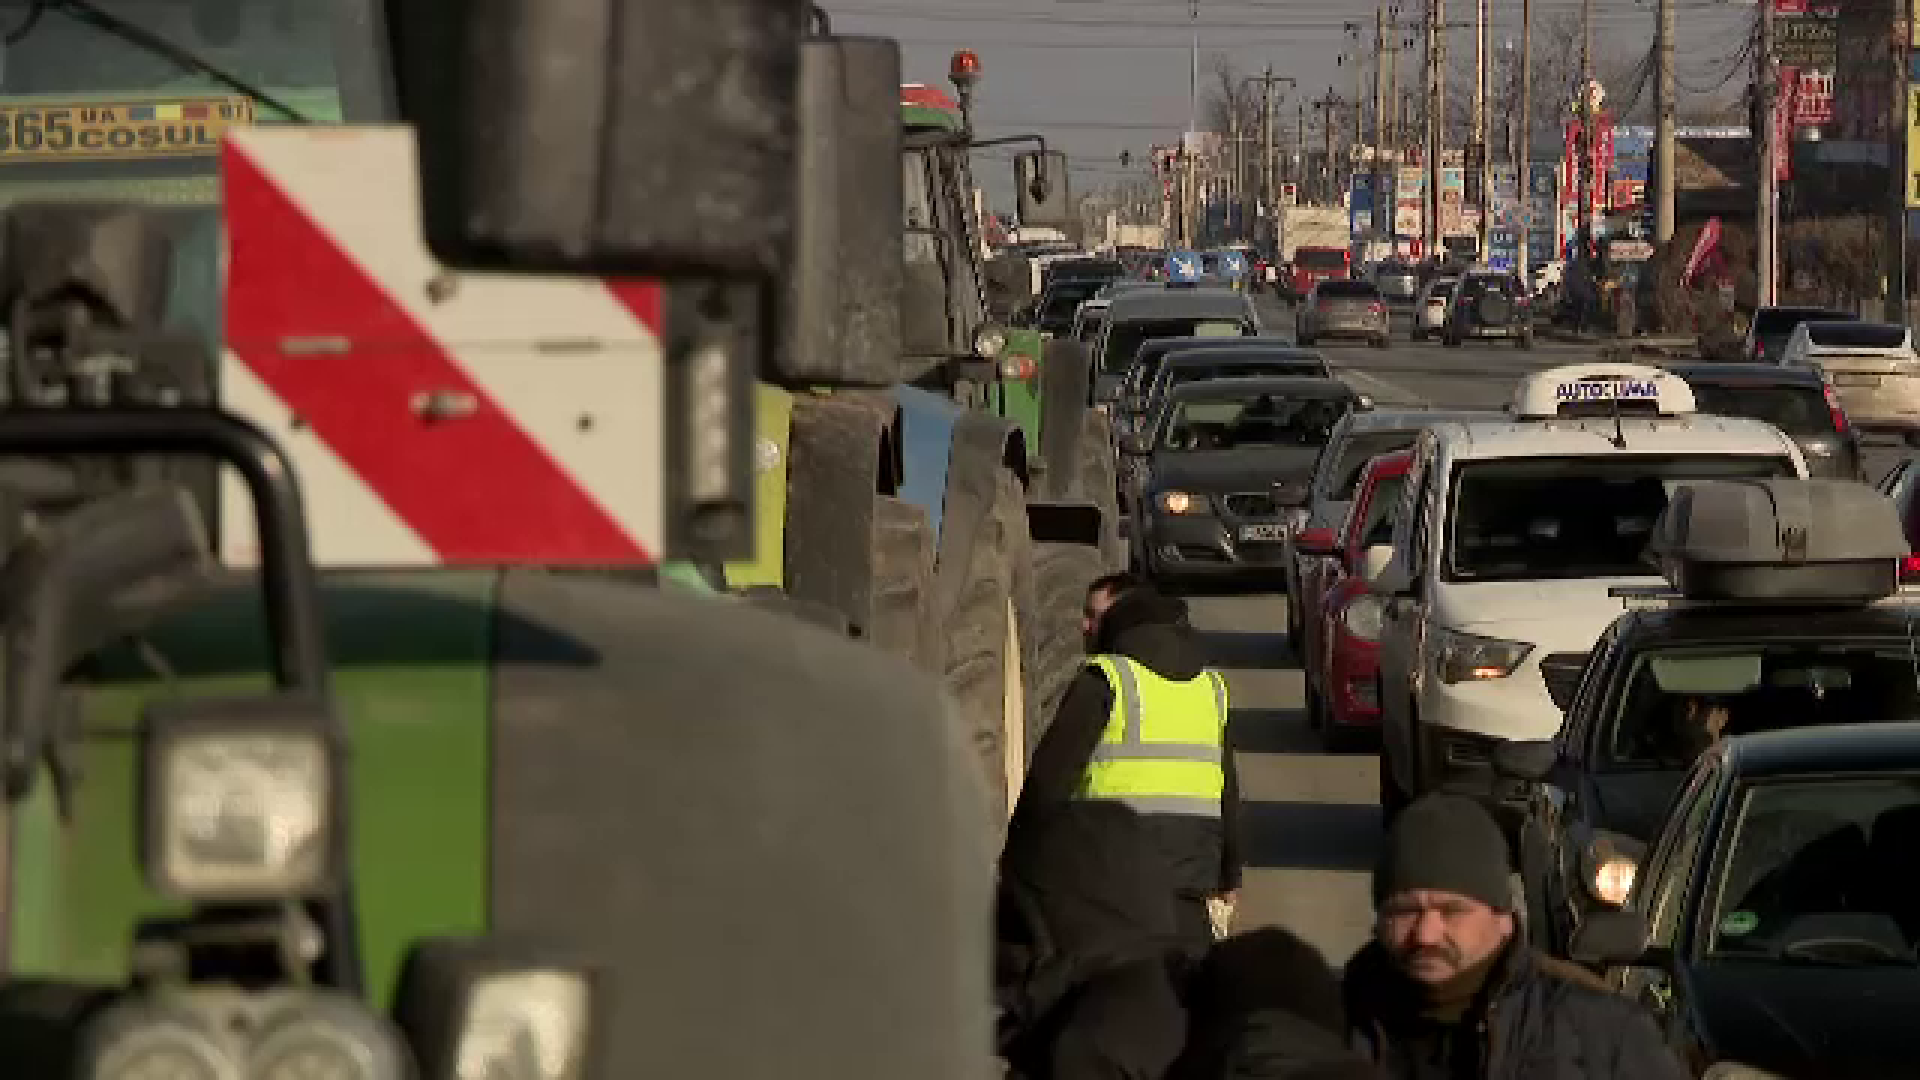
<point x="1382" y="342"/>
<point x="1451" y="341"/>
<point x="1419" y="333"/>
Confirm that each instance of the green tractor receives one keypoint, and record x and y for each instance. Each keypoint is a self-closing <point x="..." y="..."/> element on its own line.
<point x="334" y="744"/>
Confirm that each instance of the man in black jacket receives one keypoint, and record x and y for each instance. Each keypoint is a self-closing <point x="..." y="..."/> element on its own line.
<point x="1446" y="991"/>
<point x="1088" y="969"/>
<point x="1150" y="632"/>
<point x="1265" y="1006"/>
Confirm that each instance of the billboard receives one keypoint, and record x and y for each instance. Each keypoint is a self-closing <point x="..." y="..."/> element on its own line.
<point x="1542" y="210"/>
<point x="1453" y="201"/>
<point x="1503" y="230"/>
<point x="1806" y="46"/>
<point x="1409" y="199"/>
<point x="1360" y="207"/>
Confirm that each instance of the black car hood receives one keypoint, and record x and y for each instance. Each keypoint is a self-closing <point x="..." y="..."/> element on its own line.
<point x="1253" y="468"/>
<point x="1832" y="1023"/>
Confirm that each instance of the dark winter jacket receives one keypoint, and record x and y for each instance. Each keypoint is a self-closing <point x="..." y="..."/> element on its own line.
<point x="1204" y="853"/>
<point x="1266" y="1006"/>
<point x="1538" y="1019"/>
<point x="1088" y="969"/>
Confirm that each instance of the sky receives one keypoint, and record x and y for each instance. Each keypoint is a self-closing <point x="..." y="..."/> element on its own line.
<point x="1100" y="76"/>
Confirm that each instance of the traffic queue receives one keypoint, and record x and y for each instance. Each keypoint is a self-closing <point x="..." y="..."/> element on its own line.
<point x="1647" y="620"/>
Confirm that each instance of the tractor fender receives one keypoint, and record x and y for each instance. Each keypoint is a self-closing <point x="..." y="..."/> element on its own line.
<point x="926" y="428"/>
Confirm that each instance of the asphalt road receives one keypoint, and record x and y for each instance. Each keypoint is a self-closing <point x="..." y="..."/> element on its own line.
<point x="1313" y="820"/>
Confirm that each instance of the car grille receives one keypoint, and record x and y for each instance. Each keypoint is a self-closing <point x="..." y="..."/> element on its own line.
<point x="1562" y="670"/>
<point x="1251" y="504"/>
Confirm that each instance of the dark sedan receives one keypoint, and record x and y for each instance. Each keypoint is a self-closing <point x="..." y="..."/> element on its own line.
<point x="1220" y="472"/>
<point x="1776" y="923"/>
<point x="1795" y="400"/>
<point x="1130" y="390"/>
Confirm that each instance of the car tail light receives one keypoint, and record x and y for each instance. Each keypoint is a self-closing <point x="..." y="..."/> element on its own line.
<point x="1910" y="568"/>
<point x="1377" y="308"/>
<point x="1833" y="407"/>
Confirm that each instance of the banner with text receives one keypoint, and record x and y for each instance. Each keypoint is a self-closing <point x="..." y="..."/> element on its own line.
<point x="1806" y="46"/>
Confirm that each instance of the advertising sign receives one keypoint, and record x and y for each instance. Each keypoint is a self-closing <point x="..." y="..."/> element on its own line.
<point x="1806" y="46"/>
<point x="1360" y="207"/>
<point x="1543" y="200"/>
<point x="1409" y="195"/>
<point x="1453" y="201"/>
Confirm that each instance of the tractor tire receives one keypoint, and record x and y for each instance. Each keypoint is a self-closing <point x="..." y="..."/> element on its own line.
<point x="984" y="666"/>
<point x="902" y="566"/>
<point x="1063" y="572"/>
<point x="1098" y="482"/>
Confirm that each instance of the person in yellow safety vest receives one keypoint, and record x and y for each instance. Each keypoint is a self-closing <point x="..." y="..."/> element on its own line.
<point x="1144" y="725"/>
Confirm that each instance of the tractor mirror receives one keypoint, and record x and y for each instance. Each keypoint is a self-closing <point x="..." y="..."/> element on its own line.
<point x="1041" y="179"/>
<point x="843" y="311"/>
<point x="665" y="148"/>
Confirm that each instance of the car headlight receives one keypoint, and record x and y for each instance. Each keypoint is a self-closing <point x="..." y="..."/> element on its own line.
<point x="1612" y="864"/>
<point x="239" y="801"/>
<point x="473" y="1012"/>
<point x="989" y="341"/>
<point x="1180" y="502"/>
<point x="1472" y="658"/>
<point x="1363" y="616"/>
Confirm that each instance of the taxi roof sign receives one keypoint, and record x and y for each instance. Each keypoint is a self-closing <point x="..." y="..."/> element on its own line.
<point x="1183" y="266"/>
<point x="1578" y="387"/>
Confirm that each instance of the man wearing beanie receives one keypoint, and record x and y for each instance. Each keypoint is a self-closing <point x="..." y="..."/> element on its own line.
<point x="1144" y="725"/>
<point x="1447" y="991"/>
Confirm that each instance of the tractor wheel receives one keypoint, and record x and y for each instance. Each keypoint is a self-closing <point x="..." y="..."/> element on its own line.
<point x="1063" y="572"/>
<point x="984" y="666"/>
<point x="1098" y="483"/>
<point x="902" y="590"/>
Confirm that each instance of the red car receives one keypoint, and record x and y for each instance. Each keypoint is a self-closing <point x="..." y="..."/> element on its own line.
<point x="1340" y="617"/>
<point x="1312" y="265"/>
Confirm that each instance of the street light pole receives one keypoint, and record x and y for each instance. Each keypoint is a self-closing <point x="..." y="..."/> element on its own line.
<point x="1193" y="68"/>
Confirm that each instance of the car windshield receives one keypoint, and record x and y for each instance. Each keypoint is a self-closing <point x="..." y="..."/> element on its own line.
<point x="1214" y="424"/>
<point x="1523" y="519"/>
<point x="1347" y="290"/>
<point x="1124" y="338"/>
<point x="1822" y="872"/>
<point x="1799" y="410"/>
<point x="111" y="106"/>
<point x="1320" y="259"/>
<point x="1679" y="701"/>
<point x="1064" y="299"/>
<point x="1444" y="287"/>
<point x="1857" y="335"/>
<point x="1358" y="449"/>
<point x="1477" y="286"/>
<point x="1245" y="368"/>
<point x="1781" y="321"/>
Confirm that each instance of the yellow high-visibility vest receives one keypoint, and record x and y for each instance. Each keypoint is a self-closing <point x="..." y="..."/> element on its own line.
<point x="1165" y="741"/>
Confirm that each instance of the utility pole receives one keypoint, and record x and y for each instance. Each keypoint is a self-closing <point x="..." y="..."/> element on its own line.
<point x="1523" y="151"/>
<point x="1382" y="205"/>
<point x="1436" y="135"/>
<point x="1583" y="215"/>
<point x="1478" y="164"/>
<point x="1353" y="34"/>
<point x="1903" y="183"/>
<point x="1328" y="117"/>
<point x="1664" y="107"/>
<point x="1769" y="155"/>
<point x="1269" y="185"/>
<point x="1193" y="68"/>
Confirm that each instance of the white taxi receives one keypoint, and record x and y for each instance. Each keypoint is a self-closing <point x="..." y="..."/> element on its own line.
<point x="1508" y="536"/>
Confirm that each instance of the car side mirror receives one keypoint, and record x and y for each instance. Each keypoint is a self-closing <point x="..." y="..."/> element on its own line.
<point x="1382" y="572"/>
<point x="1040" y="179"/>
<point x="1532" y="761"/>
<point x="1134" y="445"/>
<point x="843" y="306"/>
<point x="539" y="155"/>
<point x="1317" y="542"/>
<point x="1614" y="938"/>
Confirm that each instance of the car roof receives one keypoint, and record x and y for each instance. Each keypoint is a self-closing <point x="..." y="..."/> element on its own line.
<point x="1746" y="373"/>
<point x="1415" y="419"/>
<point x="1566" y="436"/>
<point x="1240" y="388"/>
<point x="1824" y="750"/>
<point x="1747" y="623"/>
<point x="1278" y="353"/>
<point x="1170" y="345"/>
<point x="1165" y="303"/>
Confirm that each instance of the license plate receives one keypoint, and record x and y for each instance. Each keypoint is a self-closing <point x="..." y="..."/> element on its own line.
<point x="1843" y="378"/>
<point x="117" y="130"/>
<point x="1270" y="530"/>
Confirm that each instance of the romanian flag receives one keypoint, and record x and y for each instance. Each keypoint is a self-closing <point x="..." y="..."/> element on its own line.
<point x="138" y="113"/>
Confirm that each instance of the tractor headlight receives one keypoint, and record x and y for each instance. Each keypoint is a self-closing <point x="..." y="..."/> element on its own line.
<point x="139" y="1038"/>
<point x="237" y="807"/>
<point x="324" y="1038"/>
<point x="473" y="1010"/>
<point x="989" y="341"/>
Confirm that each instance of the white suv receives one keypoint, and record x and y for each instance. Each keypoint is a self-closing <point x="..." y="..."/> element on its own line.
<point x="1506" y="539"/>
